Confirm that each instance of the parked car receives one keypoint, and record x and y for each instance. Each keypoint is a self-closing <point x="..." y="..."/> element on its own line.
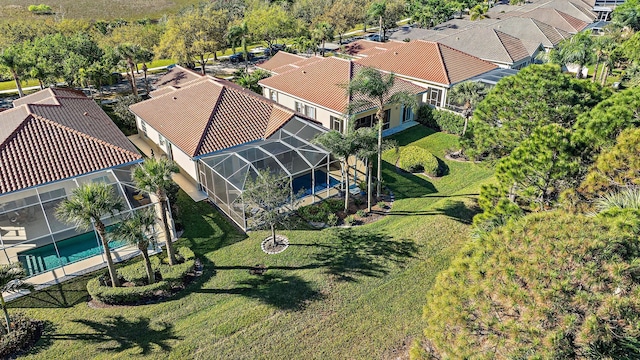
<point x="374" y="37"/>
<point x="274" y="49"/>
<point x="238" y="57"/>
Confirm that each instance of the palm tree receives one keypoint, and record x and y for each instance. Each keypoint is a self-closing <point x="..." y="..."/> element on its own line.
<point x="479" y="12"/>
<point x="600" y="45"/>
<point x="366" y="144"/>
<point x="238" y="34"/>
<point x="86" y="207"/>
<point x="342" y="146"/>
<point x="154" y="176"/>
<point x="378" y="10"/>
<point x="372" y="89"/>
<point x="10" y="58"/>
<point x="127" y="52"/>
<point x="144" y="56"/>
<point x="11" y="280"/>
<point x="134" y="230"/>
<point x="576" y="50"/>
<point x="322" y="32"/>
<point x="467" y="94"/>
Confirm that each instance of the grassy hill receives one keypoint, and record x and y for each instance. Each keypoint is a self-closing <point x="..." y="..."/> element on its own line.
<point x="96" y="9"/>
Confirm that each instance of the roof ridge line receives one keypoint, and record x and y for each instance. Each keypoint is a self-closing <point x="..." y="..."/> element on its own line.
<point x="210" y="121"/>
<point x="442" y="62"/>
<point x="503" y="44"/>
<point x="15" y="131"/>
<point x="81" y="134"/>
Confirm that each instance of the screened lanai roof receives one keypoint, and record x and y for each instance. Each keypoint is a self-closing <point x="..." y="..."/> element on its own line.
<point x="289" y="151"/>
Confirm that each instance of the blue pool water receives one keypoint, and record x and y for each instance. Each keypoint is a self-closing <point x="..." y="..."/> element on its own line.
<point x="71" y="250"/>
<point x="304" y="183"/>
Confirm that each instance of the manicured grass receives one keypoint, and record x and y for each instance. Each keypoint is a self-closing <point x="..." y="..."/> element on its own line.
<point x="99" y="9"/>
<point x="333" y="294"/>
<point x="10" y="84"/>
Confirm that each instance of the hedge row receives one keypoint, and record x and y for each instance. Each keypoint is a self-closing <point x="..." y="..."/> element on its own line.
<point x="24" y="333"/>
<point x="320" y="212"/>
<point x="172" y="276"/>
<point x="441" y="120"/>
<point x="417" y="159"/>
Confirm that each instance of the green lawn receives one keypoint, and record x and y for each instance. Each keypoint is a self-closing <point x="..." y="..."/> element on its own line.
<point x="10" y="84"/>
<point x="333" y="294"/>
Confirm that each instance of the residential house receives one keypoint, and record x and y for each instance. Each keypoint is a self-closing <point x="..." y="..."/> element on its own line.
<point x="221" y="135"/>
<point x="51" y="142"/>
<point x="318" y="90"/>
<point x="532" y="30"/>
<point x="557" y="19"/>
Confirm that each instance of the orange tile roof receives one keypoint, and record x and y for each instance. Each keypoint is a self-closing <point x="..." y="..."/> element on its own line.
<point x="368" y="47"/>
<point x="56" y="134"/>
<point x="211" y="115"/>
<point x="428" y="61"/>
<point x="324" y="83"/>
<point x="177" y="77"/>
<point x="281" y="58"/>
<point x="296" y="65"/>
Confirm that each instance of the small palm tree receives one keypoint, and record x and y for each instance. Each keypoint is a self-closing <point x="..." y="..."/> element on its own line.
<point x="467" y="94"/>
<point x="135" y="230"/>
<point x="154" y="176"/>
<point x="366" y="145"/>
<point x="576" y="50"/>
<point x="86" y="207"/>
<point x="342" y="146"/>
<point x="378" y="10"/>
<point x="127" y="53"/>
<point x="373" y="89"/>
<point x="12" y="278"/>
<point x="323" y="32"/>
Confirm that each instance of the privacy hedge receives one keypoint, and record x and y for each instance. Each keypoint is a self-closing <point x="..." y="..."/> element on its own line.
<point x="440" y="120"/>
<point x="416" y="159"/>
<point x="171" y="278"/>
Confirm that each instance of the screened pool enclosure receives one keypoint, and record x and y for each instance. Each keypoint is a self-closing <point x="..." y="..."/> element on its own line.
<point x="314" y="175"/>
<point x="31" y="234"/>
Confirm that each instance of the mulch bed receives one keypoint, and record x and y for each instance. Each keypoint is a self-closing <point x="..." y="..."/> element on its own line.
<point x="271" y="247"/>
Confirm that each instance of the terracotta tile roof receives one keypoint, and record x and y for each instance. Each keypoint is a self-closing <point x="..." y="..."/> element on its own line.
<point x="177" y="77"/>
<point x="324" y="83"/>
<point x="428" y="61"/>
<point x="211" y="115"/>
<point x="281" y="58"/>
<point x="489" y="44"/>
<point x="64" y="134"/>
<point x="557" y="19"/>
<point x="296" y="65"/>
<point x="528" y="29"/>
<point x="367" y="47"/>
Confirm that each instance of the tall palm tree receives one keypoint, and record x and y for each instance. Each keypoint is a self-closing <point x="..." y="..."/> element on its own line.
<point x="238" y="35"/>
<point x="322" y="32"/>
<point x="467" y="94"/>
<point x="86" y="207"/>
<point x="342" y="146"/>
<point x="576" y="50"/>
<point x="12" y="278"/>
<point x="10" y="58"/>
<point x="372" y="89"/>
<point x="366" y="144"/>
<point x="378" y="10"/>
<point x="127" y="53"/>
<point x="154" y="176"/>
<point x="135" y="230"/>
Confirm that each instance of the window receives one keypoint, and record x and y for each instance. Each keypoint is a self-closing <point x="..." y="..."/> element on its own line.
<point x="160" y="139"/>
<point x="337" y="124"/>
<point x="366" y="121"/>
<point x="310" y="111"/>
<point x="143" y="127"/>
<point x="273" y="95"/>
<point x="407" y="114"/>
<point x="387" y="119"/>
<point x="434" y="96"/>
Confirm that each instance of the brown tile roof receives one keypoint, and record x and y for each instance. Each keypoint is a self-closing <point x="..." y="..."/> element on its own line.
<point x="211" y="115"/>
<point x="324" y="83"/>
<point x="557" y="19"/>
<point x="428" y="61"/>
<point x="528" y="29"/>
<point x="488" y="44"/>
<point x="367" y="47"/>
<point x="177" y="77"/>
<point x="577" y="9"/>
<point x="296" y="65"/>
<point x="62" y="134"/>
<point x="281" y="58"/>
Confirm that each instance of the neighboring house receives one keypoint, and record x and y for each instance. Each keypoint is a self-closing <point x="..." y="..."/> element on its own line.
<point x="360" y="48"/>
<point x="556" y="18"/>
<point x="52" y="142"/>
<point x="433" y="65"/>
<point x="495" y="46"/>
<point x="283" y="62"/>
<point x="221" y="135"/>
<point x="318" y="90"/>
<point x="532" y="30"/>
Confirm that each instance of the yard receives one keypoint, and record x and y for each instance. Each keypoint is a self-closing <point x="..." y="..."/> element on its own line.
<point x="335" y="293"/>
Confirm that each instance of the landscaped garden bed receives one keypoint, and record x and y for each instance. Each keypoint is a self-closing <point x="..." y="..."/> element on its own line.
<point x="330" y="212"/>
<point x="136" y="290"/>
<point x="24" y="334"/>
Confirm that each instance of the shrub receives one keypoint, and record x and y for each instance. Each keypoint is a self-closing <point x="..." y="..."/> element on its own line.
<point x="25" y="332"/>
<point x="416" y="159"/>
<point x="172" y="276"/>
<point x="425" y="117"/>
<point x="41" y="9"/>
<point x="320" y="212"/>
<point x="382" y="204"/>
<point x="361" y="213"/>
<point x="449" y="122"/>
<point x="332" y="219"/>
<point x="349" y="220"/>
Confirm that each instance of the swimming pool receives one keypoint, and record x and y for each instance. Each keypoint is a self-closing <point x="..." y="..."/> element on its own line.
<point x="80" y="247"/>
<point x="302" y="184"/>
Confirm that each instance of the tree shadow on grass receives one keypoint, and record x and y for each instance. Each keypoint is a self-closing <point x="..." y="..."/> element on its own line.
<point x="286" y="292"/>
<point x="358" y="252"/>
<point x="406" y="185"/>
<point x="454" y="209"/>
<point x="127" y="334"/>
<point x="63" y="295"/>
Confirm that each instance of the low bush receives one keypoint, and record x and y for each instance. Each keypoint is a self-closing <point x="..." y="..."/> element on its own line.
<point x="424" y="116"/>
<point x="319" y="212"/>
<point x="332" y="220"/>
<point x="349" y="220"/>
<point x="171" y="277"/>
<point x="41" y="9"/>
<point x="440" y="120"/>
<point x="417" y="159"/>
<point x="24" y="333"/>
